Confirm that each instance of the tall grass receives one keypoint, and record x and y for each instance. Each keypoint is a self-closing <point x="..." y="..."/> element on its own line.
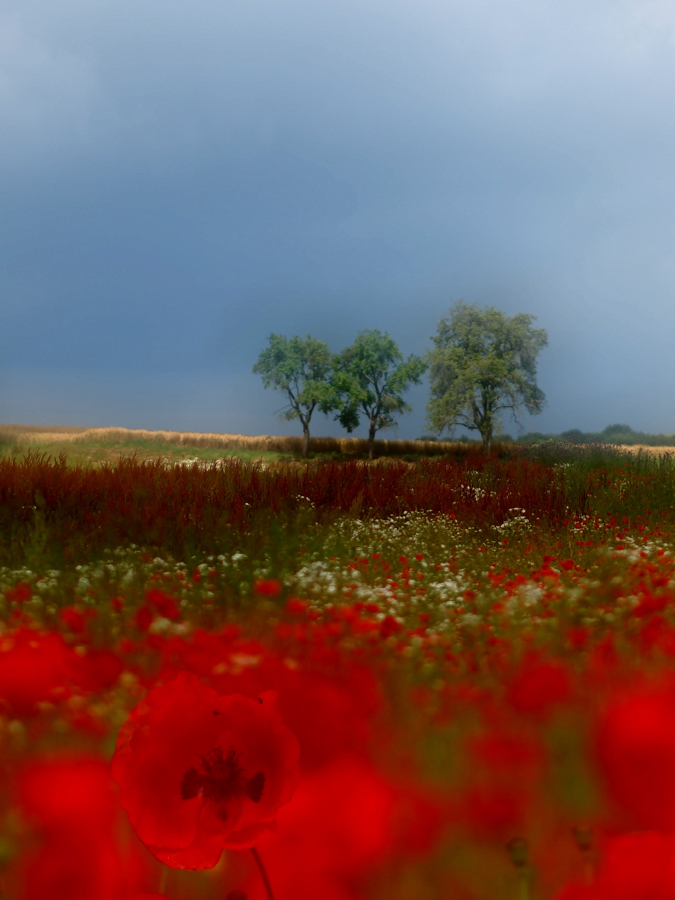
<point x="614" y="482"/>
<point x="73" y="513"/>
<point x="56" y="514"/>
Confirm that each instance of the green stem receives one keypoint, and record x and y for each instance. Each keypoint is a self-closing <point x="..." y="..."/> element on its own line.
<point x="163" y="879"/>
<point x="589" y="872"/>
<point x="263" y="873"/>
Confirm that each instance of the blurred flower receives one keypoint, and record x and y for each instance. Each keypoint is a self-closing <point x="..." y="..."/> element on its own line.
<point x="19" y="593"/>
<point x="635" y="749"/>
<point x="164" y="603"/>
<point x="96" y="670"/>
<point x="76" y="619"/>
<point x="345" y="822"/>
<point x="538" y="686"/>
<point x="76" y="852"/>
<point x="639" y="866"/>
<point x="33" y="667"/>
<point x="270" y="587"/>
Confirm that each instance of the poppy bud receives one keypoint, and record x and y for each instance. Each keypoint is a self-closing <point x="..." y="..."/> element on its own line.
<point x="518" y="852"/>
<point x="583" y="837"/>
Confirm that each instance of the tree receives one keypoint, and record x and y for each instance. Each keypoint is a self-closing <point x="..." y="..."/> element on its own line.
<point x="302" y="369"/>
<point x="483" y="362"/>
<point x="370" y="378"/>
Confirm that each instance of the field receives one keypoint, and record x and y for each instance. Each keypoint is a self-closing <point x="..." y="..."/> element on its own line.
<point x="91" y="446"/>
<point x="474" y="658"/>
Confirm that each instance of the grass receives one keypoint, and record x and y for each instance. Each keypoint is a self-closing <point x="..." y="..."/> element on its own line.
<point x="91" y="446"/>
<point x="59" y="513"/>
<point x="85" y="449"/>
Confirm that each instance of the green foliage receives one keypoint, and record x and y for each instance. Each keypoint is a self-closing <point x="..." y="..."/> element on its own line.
<point x="613" y="434"/>
<point x="370" y="378"/>
<point x="574" y="436"/>
<point x="483" y="362"/>
<point x="301" y="369"/>
<point x="618" y="429"/>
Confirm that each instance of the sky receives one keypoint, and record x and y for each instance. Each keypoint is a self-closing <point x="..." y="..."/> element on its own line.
<point x="179" y="180"/>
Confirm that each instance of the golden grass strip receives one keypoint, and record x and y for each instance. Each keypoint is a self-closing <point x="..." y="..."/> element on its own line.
<point x="646" y="448"/>
<point x="287" y="444"/>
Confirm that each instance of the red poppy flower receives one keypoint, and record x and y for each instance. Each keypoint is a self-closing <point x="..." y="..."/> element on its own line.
<point x="200" y="772"/>
<point x="96" y="670"/>
<point x="635" y="747"/>
<point x="69" y="793"/>
<point x="538" y="686"/>
<point x="267" y="587"/>
<point x="164" y="603"/>
<point x="637" y="866"/>
<point x="143" y="617"/>
<point x="346" y="822"/>
<point x="33" y="667"/>
<point x="20" y="592"/>
<point x="75" y="849"/>
<point x="75" y="619"/>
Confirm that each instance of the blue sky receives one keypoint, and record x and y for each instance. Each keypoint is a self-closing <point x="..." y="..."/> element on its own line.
<point x="181" y="179"/>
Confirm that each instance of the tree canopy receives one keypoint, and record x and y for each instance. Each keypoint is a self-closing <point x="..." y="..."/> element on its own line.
<point x="370" y="377"/>
<point x="301" y="368"/>
<point x="483" y="362"/>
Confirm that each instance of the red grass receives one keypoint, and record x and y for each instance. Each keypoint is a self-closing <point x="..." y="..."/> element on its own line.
<point x="86" y="509"/>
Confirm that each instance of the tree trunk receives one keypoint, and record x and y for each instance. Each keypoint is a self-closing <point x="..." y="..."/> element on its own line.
<point x="487" y="441"/>
<point x="305" y="439"/>
<point x="371" y="441"/>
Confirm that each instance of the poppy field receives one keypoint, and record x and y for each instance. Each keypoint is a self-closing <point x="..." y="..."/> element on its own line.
<point x="413" y="680"/>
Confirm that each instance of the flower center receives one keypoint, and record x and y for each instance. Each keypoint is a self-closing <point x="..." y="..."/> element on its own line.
<point x="220" y="777"/>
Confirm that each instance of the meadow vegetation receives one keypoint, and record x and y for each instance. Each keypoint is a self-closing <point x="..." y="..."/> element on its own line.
<point x="620" y="435"/>
<point x="474" y="651"/>
<point x="97" y="445"/>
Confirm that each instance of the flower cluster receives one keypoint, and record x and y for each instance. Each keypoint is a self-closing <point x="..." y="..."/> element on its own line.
<point x="421" y="707"/>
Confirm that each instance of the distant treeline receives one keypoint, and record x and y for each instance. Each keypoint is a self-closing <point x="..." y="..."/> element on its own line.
<point x="613" y="434"/>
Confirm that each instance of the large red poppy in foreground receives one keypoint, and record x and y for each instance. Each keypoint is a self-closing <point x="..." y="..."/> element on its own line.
<point x="200" y="772"/>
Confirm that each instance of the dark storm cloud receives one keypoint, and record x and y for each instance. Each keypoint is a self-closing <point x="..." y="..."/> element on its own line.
<point x="179" y="180"/>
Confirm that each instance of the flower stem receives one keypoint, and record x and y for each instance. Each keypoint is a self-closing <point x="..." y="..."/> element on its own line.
<point x="519" y="852"/>
<point x="163" y="880"/>
<point x="524" y="886"/>
<point x="263" y="873"/>
<point x="583" y="836"/>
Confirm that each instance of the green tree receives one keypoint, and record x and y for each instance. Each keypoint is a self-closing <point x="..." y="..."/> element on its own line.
<point x="302" y="369"/>
<point x="483" y="362"/>
<point x="370" y="378"/>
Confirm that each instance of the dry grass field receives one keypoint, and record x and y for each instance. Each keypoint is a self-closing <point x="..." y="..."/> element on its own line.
<point x="652" y="451"/>
<point x="121" y="441"/>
